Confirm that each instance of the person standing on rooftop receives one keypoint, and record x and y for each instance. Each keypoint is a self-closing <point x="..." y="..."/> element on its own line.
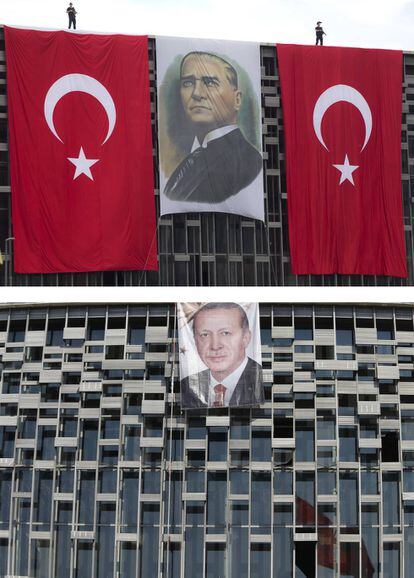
<point x="71" y="12"/>
<point x="319" y="33"/>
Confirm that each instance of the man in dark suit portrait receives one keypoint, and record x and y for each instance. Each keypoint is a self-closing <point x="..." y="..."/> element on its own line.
<point x="221" y="162"/>
<point x="222" y="334"/>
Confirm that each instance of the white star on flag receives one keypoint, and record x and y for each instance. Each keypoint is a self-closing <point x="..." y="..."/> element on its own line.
<point x="82" y="165"/>
<point x="346" y="171"/>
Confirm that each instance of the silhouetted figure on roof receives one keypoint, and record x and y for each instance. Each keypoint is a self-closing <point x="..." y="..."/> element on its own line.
<point x="319" y="33"/>
<point x="71" y="12"/>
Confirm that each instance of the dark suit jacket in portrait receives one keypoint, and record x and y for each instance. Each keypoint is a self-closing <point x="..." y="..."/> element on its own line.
<point x="213" y="174"/>
<point x="248" y="391"/>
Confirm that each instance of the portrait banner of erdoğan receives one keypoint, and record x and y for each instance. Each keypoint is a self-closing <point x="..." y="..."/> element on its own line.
<point x="220" y="355"/>
<point x="209" y="127"/>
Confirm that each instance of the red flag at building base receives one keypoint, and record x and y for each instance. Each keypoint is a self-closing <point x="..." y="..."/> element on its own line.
<point x="342" y="110"/>
<point x="80" y="152"/>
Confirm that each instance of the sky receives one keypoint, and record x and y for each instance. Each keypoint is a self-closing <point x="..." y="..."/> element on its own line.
<point x="365" y="23"/>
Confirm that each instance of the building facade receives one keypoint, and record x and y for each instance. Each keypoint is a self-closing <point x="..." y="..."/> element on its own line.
<point x="219" y="249"/>
<point x="103" y="475"/>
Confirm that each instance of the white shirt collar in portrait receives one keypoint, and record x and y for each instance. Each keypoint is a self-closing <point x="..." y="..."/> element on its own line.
<point x="229" y="382"/>
<point x="212" y="135"/>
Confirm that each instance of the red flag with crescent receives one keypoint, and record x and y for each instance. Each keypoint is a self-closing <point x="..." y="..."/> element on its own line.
<point x="342" y="110"/>
<point x="326" y="545"/>
<point x="80" y="140"/>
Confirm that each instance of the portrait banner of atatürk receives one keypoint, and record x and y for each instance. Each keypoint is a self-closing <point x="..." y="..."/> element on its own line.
<point x="209" y="127"/>
<point x="220" y="355"/>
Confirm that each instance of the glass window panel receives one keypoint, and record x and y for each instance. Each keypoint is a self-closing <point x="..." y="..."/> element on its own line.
<point x="305" y="499"/>
<point x="369" y="482"/>
<point x="349" y="561"/>
<point x="408" y="480"/>
<point x="3" y="556"/>
<point x="40" y="558"/>
<point x="195" y="481"/>
<point x="391" y="560"/>
<point x="326" y="428"/>
<point x="63" y="539"/>
<point x="173" y="514"/>
<point x="149" y="540"/>
<point x="129" y="501"/>
<point x="128" y="560"/>
<point x="90" y="440"/>
<point x="305" y="441"/>
<point x="407" y="425"/>
<point x="261" y="502"/>
<point x="172" y="560"/>
<point x="347" y="444"/>
<point x="107" y="481"/>
<point x="151" y="481"/>
<point x="261" y="445"/>
<point x="283" y="482"/>
<point x="408" y="550"/>
<point x="84" y="560"/>
<point x="326" y="482"/>
<point x="326" y="515"/>
<point x="240" y="427"/>
<point x="368" y="430"/>
<point x="217" y="445"/>
<point x="132" y="451"/>
<point x="5" y="494"/>
<point x="46" y="443"/>
<point x="326" y="552"/>
<point x="391" y="503"/>
<point x="215" y="561"/>
<point x="175" y="446"/>
<point x="240" y="514"/>
<point x="194" y="551"/>
<point x="86" y="500"/>
<point x="260" y="561"/>
<point x="196" y="429"/>
<point x="239" y="481"/>
<point x="43" y="496"/>
<point x="370" y="541"/>
<point x="105" y="540"/>
<point x="283" y="541"/>
<point x="348" y="499"/>
<point x="110" y="428"/>
<point x="216" y="502"/>
<point x="239" y="552"/>
<point x="7" y="436"/>
<point x="28" y="427"/>
<point x="22" y="537"/>
<point x="305" y="559"/>
<point x="344" y="336"/>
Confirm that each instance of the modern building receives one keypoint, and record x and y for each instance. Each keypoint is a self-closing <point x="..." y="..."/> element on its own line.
<point x="103" y="475"/>
<point x="212" y="248"/>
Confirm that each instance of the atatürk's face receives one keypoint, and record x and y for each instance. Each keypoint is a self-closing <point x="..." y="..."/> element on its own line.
<point x="221" y="341"/>
<point x="209" y="99"/>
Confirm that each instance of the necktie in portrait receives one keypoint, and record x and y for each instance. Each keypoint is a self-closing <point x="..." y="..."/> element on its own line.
<point x="220" y="392"/>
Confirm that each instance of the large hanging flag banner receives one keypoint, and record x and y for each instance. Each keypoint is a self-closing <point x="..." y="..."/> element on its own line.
<point x="342" y="119"/>
<point x="80" y="152"/>
<point x="209" y="124"/>
<point x="326" y="544"/>
<point x="220" y="355"/>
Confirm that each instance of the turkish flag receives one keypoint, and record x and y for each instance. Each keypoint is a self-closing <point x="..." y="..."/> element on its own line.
<point x="80" y="151"/>
<point x="326" y="545"/>
<point x="342" y="110"/>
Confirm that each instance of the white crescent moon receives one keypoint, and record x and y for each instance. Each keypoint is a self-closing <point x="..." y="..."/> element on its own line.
<point x="78" y="83"/>
<point x="341" y="93"/>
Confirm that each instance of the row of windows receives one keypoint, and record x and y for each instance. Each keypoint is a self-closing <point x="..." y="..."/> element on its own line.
<point x="103" y="475"/>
